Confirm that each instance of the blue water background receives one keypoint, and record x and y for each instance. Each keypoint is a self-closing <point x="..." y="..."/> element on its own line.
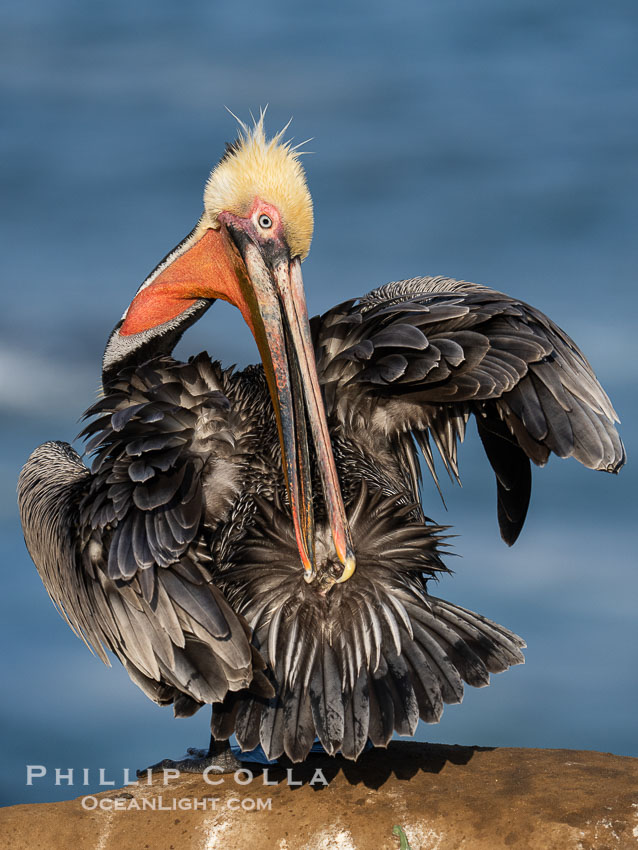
<point x="493" y="141"/>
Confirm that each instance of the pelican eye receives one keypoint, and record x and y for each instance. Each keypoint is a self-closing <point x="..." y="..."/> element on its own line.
<point x="264" y="221"/>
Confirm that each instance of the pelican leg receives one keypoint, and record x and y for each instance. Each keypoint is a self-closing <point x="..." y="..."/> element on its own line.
<point x="219" y="757"/>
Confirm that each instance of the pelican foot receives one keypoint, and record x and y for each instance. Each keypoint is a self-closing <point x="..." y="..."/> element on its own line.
<point x="219" y="757"/>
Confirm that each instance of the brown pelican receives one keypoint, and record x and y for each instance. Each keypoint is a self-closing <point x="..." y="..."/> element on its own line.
<point x="255" y="539"/>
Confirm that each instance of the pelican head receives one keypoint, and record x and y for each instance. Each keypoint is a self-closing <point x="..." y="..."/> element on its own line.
<point x="247" y="249"/>
<point x="255" y="168"/>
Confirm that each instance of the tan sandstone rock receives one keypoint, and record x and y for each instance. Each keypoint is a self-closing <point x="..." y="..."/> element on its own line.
<point x="441" y="796"/>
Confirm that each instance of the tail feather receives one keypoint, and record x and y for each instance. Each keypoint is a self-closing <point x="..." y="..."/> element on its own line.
<point x="498" y="647"/>
<point x="381" y="719"/>
<point x="406" y="709"/>
<point x="247" y="722"/>
<point x="271" y="732"/>
<point x="426" y="686"/>
<point x="447" y="676"/>
<point x="326" y="700"/>
<point x="461" y="663"/>
<point x="360" y="660"/>
<point x="299" y="727"/>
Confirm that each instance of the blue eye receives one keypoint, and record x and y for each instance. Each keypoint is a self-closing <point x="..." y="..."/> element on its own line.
<point x="265" y="221"/>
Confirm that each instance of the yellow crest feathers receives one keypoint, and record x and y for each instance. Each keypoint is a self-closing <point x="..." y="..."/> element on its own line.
<point x="269" y="169"/>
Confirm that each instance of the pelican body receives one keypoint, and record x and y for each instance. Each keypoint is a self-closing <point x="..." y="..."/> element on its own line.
<point x="255" y="539"/>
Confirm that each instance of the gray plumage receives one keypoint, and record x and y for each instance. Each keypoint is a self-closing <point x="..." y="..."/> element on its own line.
<point x="176" y="551"/>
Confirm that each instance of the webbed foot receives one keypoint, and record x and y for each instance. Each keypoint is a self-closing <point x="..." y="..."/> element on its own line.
<point x="219" y="757"/>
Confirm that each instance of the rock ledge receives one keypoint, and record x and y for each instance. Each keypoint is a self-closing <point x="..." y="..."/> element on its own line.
<point x="441" y="796"/>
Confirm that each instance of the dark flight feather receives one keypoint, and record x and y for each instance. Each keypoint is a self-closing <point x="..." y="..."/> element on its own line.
<point x="472" y="350"/>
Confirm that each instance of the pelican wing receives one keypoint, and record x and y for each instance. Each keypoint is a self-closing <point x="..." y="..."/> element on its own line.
<point x="120" y="547"/>
<point x="419" y="356"/>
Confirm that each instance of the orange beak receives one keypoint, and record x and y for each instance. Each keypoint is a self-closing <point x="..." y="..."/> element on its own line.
<point x="266" y="286"/>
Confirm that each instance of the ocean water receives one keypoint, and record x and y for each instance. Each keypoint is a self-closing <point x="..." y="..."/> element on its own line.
<point x="491" y="141"/>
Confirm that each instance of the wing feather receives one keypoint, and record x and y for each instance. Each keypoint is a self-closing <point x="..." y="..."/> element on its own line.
<point x="121" y="548"/>
<point x="421" y="355"/>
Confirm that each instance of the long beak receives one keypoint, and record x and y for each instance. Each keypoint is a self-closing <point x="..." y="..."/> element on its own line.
<point x="282" y="333"/>
<point x="290" y="285"/>
<point x="268" y="289"/>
